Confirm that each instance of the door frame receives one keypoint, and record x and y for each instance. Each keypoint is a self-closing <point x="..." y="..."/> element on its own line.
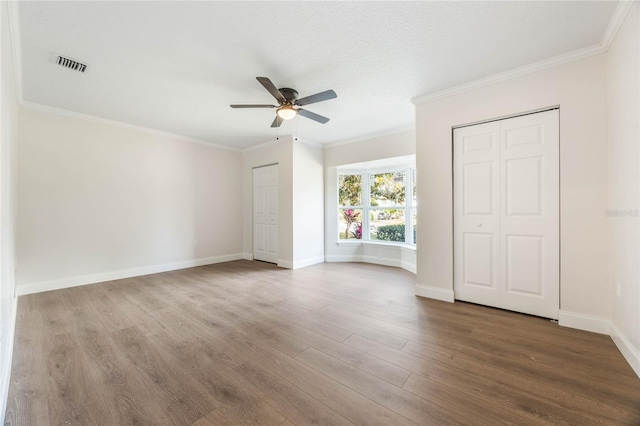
<point x="453" y="227"/>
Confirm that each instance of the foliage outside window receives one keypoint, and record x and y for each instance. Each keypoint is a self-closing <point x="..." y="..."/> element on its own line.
<point x="384" y="213"/>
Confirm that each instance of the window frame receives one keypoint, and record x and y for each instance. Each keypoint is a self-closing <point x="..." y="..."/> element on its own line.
<point x="365" y="198"/>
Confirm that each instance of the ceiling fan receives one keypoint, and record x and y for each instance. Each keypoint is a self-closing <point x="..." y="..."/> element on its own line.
<point x="288" y="103"/>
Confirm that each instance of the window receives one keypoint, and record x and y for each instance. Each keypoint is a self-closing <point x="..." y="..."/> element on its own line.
<point x="377" y="206"/>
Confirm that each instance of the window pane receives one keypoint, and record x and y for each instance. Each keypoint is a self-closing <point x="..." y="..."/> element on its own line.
<point x="350" y="224"/>
<point x="349" y="190"/>
<point x="387" y="189"/>
<point x="387" y="224"/>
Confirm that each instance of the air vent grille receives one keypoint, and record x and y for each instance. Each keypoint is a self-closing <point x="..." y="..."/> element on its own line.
<point x="71" y="64"/>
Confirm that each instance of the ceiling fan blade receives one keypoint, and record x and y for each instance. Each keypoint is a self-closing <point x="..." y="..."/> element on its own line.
<point x="253" y="106"/>
<point x="277" y="121"/>
<point x="271" y="88"/>
<point x="318" y="97"/>
<point x="313" y="116"/>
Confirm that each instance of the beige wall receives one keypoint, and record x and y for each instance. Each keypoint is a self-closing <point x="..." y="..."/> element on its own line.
<point x="579" y="88"/>
<point x="623" y="78"/>
<point x="98" y="202"/>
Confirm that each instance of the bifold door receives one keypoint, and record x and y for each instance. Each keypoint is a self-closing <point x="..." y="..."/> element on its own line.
<point x="506" y="214"/>
<point x="265" y="213"/>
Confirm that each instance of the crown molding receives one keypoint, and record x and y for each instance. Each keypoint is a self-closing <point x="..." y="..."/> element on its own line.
<point x="619" y="15"/>
<point x="308" y="142"/>
<point x="95" y="119"/>
<point x="511" y="74"/>
<point x="615" y="22"/>
<point x="277" y="141"/>
<point x="391" y="132"/>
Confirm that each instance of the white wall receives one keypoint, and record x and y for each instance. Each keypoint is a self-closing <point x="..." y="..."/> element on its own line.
<point x="8" y="142"/>
<point x="308" y="204"/>
<point x="623" y="78"/>
<point x="580" y="89"/>
<point x="280" y="152"/>
<point x="98" y="202"/>
<point x="383" y="147"/>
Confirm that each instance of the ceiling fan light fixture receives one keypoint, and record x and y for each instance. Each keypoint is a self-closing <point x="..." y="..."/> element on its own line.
<point x="286" y="112"/>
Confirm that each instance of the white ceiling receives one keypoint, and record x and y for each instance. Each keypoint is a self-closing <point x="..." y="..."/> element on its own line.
<point x="176" y="66"/>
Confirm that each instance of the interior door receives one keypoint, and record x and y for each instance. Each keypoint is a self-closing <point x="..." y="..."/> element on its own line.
<point x="506" y="214"/>
<point x="265" y="213"/>
<point x="530" y="204"/>
<point x="477" y="213"/>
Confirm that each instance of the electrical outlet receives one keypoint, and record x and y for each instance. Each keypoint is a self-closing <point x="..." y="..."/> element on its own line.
<point x="618" y="290"/>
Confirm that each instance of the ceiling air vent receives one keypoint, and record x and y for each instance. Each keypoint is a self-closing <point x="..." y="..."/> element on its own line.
<point x="71" y="64"/>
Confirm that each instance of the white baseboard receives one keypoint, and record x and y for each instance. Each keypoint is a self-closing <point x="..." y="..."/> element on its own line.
<point x="407" y="266"/>
<point x="287" y="264"/>
<point x="124" y="273"/>
<point x="5" y="370"/>
<point x="247" y="256"/>
<point x="308" y="262"/>
<point x="584" y="322"/>
<point x="444" y="294"/>
<point x="628" y="350"/>
<point x="343" y="258"/>
<point x="379" y="260"/>
<point x="372" y="259"/>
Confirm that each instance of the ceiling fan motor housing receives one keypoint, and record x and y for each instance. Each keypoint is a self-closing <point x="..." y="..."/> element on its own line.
<point x="289" y="94"/>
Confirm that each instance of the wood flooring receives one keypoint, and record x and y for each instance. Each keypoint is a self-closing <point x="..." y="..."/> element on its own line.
<point x="243" y="343"/>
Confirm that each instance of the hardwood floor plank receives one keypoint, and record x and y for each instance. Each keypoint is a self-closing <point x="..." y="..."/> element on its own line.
<point x="237" y="318"/>
<point x="249" y="343"/>
<point x="182" y="404"/>
<point x="504" y="330"/>
<point x="77" y="403"/>
<point x="498" y="404"/>
<point x="27" y="402"/>
<point x="551" y="388"/>
<point x="121" y="386"/>
<point x="286" y="398"/>
<point x="232" y="399"/>
<point x="385" y="370"/>
<point x="405" y="403"/>
<point x="349" y="404"/>
<point x="54" y="312"/>
<point x="112" y="317"/>
<point x="364" y="330"/>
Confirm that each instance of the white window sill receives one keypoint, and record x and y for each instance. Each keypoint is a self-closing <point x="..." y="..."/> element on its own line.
<point x="346" y="243"/>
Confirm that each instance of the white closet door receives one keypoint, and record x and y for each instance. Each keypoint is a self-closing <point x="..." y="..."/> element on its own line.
<point x="506" y="214"/>
<point x="265" y="213"/>
<point x="477" y="213"/>
<point x="530" y="204"/>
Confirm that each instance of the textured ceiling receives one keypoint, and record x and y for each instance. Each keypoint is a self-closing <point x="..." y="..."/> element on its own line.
<point x="176" y="66"/>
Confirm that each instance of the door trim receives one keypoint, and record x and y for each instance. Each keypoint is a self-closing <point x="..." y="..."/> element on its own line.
<point x="504" y="117"/>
